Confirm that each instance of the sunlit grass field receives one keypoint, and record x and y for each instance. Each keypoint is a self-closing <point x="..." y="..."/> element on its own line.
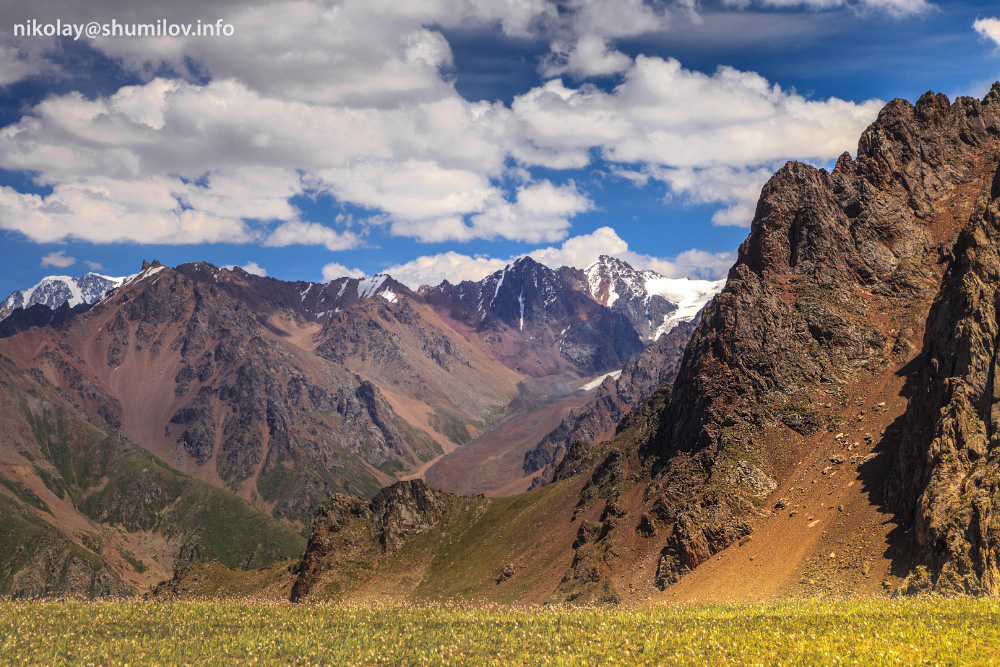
<point x="876" y="632"/>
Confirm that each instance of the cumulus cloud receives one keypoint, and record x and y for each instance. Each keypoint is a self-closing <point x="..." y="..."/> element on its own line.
<point x="296" y="232"/>
<point x="578" y="251"/>
<point x="451" y="266"/>
<point x="332" y="271"/>
<point x="540" y="212"/>
<point x="737" y="188"/>
<point x="250" y="267"/>
<point x="988" y="28"/>
<point x="25" y="58"/>
<point x="94" y="266"/>
<point x="711" y="138"/>
<point x="354" y="100"/>
<point x="106" y="210"/>
<point x="590" y="56"/>
<point x="664" y="114"/>
<point x="58" y="259"/>
<point x="582" y="250"/>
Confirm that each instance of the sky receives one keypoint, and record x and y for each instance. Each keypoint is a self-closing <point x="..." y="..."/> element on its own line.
<point x="438" y="139"/>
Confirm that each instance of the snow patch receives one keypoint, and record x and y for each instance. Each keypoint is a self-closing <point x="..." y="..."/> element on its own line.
<point x="152" y="271"/>
<point x="503" y="274"/>
<point x="596" y="382"/>
<point x="520" y="299"/>
<point x="53" y="291"/>
<point x="388" y="296"/>
<point x="689" y="295"/>
<point x="368" y="287"/>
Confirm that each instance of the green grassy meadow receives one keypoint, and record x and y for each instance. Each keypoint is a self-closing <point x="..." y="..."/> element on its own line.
<point x="871" y="632"/>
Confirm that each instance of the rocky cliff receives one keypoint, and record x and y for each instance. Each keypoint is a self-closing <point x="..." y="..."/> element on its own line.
<point x="834" y="278"/>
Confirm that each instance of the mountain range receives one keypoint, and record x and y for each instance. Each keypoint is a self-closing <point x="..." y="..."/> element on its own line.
<point x="277" y="394"/>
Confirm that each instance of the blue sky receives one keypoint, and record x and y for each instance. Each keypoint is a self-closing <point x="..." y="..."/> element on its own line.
<point x="439" y="139"/>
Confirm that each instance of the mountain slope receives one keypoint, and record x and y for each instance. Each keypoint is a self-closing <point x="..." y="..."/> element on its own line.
<point x="191" y="373"/>
<point x="615" y="397"/>
<point x="84" y="511"/>
<point x="537" y="321"/>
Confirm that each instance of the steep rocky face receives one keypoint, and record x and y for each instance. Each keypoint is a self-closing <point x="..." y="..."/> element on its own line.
<point x="946" y="479"/>
<point x="538" y="321"/>
<point x="848" y="368"/>
<point x="615" y="398"/>
<point x="836" y="274"/>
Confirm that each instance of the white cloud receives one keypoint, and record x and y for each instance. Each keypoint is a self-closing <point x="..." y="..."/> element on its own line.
<point x="578" y="251"/>
<point x="582" y="250"/>
<point x="354" y="100"/>
<point x="737" y="188"/>
<point x="94" y="266"/>
<point x="58" y="259"/>
<point x="541" y="212"/>
<point x="250" y="267"/>
<point x="988" y="28"/>
<point x="590" y="56"/>
<point x="451" y="266"/>
<point x="24" y="58"/>
<point x="710" y="138"/>
<point x="332" y="271"/>
<point x="898" y="7"/>
<point x="310" y="233"/>
<point x="696" y="263"/>
<point x="104" y="210"/>
<point x="663" y="114"/>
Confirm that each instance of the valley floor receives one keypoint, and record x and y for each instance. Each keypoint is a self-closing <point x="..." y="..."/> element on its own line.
<point x="865" y="632"/>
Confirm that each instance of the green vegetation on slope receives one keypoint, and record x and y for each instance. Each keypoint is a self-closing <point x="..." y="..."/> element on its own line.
<point x="868" y="632"/>
<point x="114" y="482"/>
<point x="26" y="540"/>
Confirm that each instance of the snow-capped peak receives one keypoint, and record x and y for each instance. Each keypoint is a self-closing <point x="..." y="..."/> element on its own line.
<point x="54" y="291"/>
<point x="653" y="303"/>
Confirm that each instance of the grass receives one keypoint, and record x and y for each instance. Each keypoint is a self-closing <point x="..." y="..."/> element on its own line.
<point x="866" y="632"/>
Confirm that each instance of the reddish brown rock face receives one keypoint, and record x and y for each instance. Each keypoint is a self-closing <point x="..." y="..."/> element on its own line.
<point x="836" y="278"/>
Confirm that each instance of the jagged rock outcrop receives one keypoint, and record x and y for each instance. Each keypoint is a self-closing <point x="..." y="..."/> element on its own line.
<point x="844" y="276"/>
<point x="348" y="525"/>
<point x="824" y="250"/>
<point x="946" y="479"/>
